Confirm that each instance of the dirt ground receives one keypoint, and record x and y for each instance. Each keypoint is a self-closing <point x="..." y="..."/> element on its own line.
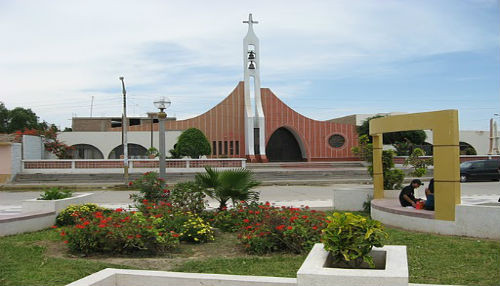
<point x="226" y="243"/>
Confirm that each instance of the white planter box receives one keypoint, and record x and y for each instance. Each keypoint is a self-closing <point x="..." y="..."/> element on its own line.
<point x="314" y="273"/>
<point x="35" y="205"/>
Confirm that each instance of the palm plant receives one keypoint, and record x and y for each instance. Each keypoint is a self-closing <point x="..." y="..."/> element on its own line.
<point x="228" y="185"/>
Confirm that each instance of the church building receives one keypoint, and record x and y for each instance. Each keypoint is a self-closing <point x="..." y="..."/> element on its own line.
<point x="253" y="123"/>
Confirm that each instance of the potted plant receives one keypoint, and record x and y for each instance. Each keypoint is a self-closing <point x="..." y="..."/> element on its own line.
<point x="352" y="253"/>
<point x="152" y="153"/>
<point x="54" y="200"/>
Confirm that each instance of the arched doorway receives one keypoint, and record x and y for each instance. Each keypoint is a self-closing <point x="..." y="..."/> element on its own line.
<point x="86" y="151"/>
<point x="283" y="147"/>
<point x="135" y="151"/>
<point x="467" y="149"/>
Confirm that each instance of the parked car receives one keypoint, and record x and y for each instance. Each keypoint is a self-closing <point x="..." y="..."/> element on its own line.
<point x="482" y="170"/>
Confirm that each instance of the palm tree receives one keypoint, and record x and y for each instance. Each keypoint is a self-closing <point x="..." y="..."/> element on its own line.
<point x="228" y="185"/>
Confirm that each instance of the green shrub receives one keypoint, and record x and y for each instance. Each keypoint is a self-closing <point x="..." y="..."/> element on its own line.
<point x="73" y="213"/>
<point x="188" y="196"/>
<point x="193" y="143"/>
<point x="418" y="164"/>
<point x="151" y="189"/>
<point x="349" y="238"/>
<point x="228" y="185"/>
<point x="55" y="193"/>
<point x="270" y="229"/>
<point x="393" y="179"/>
<point x="225" y="220"/>
<point x="119" y="232"/>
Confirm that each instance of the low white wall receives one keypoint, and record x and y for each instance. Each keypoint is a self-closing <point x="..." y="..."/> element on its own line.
<point x="470" y="220"/>
<point x="123" y="277"/>
<point x="57" y="206"/>
<point x="31" y="222"/>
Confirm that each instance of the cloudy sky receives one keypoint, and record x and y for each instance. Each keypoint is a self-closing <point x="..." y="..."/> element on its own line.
<point x="325" y="59"/>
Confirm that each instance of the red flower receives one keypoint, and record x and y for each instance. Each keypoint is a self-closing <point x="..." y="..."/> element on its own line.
<point x="130" y="236"/>
<point x="86" y="222"/>
<point x="102" y="225"/>
<point x="280" y="227"/>
<point x="290" y="228"/>
<point x="118" y="210"/>
<point x="248" y="227"/>
<point x="54" y="226"/>
<point x="62" y="233"/>
<point x="158" y="215"/>
<point x="175" y="235"/>
<point x="315" y="227"/>
<point x="138" y="235"/>
<point x="79" y="226"/>
<point x="65" y="241"/>
<point x="130" y="184"/>
<point x="246" y="220"/>
<point x="304" y="216"/>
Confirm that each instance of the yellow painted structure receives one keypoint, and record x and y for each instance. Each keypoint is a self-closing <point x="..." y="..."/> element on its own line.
<point x="444" y="126"/>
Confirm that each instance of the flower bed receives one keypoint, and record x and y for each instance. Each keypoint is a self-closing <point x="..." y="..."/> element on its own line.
<point x="118" y="232"/>
<point x="264" y="228"/>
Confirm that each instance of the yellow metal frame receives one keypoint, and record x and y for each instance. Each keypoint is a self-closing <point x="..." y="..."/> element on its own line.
<point x="444" y="126"/>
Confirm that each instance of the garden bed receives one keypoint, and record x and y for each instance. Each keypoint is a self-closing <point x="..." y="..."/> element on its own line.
<point x="41" y="258"/>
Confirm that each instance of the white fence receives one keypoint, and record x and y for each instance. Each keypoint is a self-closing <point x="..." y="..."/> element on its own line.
<point x="116" y="166"/>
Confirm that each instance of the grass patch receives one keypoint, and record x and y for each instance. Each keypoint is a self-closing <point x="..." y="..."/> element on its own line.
<point x="23" y="262"/>
<point x="433" y="259"/>
<point x="276" y="265"/>
<point x="439" y="259"/>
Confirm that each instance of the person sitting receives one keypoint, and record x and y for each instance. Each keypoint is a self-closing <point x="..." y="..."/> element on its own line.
<point x="429" y="193"/>
<point x="407" y="195"/>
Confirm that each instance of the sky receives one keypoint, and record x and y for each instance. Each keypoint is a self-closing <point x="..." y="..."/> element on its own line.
<point x="325" y="59"/>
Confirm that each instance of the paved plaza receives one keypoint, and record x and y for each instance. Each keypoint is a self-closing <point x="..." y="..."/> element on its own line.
<point x="313" y="196"/>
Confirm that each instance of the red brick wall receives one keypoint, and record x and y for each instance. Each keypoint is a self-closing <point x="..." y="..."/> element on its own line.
<point x="314" y="134"/>
<point x="224" y="122"/>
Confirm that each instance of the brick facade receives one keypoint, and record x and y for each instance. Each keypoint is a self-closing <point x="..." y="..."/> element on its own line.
<point x="224" y="127"/>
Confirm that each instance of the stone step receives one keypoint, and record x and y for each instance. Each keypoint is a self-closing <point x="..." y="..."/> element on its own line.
<point x="177" y="177"/>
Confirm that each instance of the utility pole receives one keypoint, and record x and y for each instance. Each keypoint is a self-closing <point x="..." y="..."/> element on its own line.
<point x="91" y="105"/>
<point x="124" y="132"/>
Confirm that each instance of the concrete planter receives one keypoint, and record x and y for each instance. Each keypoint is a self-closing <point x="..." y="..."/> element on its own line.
<point x="35" y="205"/>
<point x="392" y="259"/>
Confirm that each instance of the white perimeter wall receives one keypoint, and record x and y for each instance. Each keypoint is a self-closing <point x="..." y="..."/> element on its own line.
<point x="107" y="141"/>
<point x="16" y="154"/>
<point x="32" y="147"/>
<point x="480" y="140"/>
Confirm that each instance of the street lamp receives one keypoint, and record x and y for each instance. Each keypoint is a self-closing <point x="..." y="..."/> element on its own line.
<point x="162" y="104"/>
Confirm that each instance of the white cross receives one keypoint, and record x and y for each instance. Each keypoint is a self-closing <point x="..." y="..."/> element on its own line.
<point x="250" y="21"/>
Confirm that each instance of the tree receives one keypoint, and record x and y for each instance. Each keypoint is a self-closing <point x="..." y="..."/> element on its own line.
<point x="403" y="141"/>
<point x="228" y="185"/>
<point x="4" y="118"/>
<point x="21" y="118"/>
<point x="192" y="143"/>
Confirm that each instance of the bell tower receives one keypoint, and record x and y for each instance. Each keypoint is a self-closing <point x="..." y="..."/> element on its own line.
<point x="255" y="135"/>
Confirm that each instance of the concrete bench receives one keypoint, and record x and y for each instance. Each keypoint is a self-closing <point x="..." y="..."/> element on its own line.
<point x="393" y="206"/>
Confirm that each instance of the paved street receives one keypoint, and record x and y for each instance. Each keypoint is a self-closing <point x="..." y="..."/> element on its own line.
<point x="317" y="196"/>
